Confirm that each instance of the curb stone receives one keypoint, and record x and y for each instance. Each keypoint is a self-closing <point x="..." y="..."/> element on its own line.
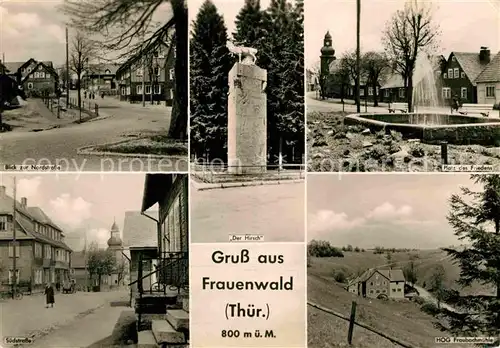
<point x="86" y="150"/>
<point x="204" y="186"/>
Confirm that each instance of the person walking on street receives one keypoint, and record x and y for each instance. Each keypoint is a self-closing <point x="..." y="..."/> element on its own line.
<point x="49" y="296"/>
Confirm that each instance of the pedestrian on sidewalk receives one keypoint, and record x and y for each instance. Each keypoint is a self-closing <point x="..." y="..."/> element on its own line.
<point x="49" y="295"/>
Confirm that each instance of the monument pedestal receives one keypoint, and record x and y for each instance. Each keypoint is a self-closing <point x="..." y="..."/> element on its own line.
<point x="247" y="120"/>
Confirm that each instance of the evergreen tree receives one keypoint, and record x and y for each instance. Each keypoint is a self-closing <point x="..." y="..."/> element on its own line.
<point x="210" y="64"/>
<point x="278" y="35"/>
<point x="475" y="217"/>
<point x="249" y="31"/>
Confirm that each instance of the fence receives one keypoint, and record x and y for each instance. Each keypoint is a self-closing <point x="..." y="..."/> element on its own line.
<point x="58" y="105"/>
<point x="220" y="173"/>
<point x="352" y="322"/>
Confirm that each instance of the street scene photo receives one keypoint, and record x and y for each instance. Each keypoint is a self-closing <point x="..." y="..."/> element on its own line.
<point x="83" y="264"/>
<point x="94" y="85"/>
<point x="402" y="86"/>
<point x="403" y="260"/>
<point x="246" y="90"/>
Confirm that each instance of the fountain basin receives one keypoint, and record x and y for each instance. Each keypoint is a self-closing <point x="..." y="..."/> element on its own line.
<point x="434" y="128"/>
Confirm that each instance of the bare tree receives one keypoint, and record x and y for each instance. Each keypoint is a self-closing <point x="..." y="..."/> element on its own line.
<point x="407" y="33"/>
<point x="123" y="25"/>
<point x="82" y="50"/>
<point x="349" y="65"/>
<point x="374" y="64"/>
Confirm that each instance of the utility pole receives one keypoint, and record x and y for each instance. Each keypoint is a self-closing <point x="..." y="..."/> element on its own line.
<point x="14" y="242"/>
<point x="143" y="70"/>
<point x="358" y="54"/>
<point x="67" y="69"/>
<point x="85" y="261"/>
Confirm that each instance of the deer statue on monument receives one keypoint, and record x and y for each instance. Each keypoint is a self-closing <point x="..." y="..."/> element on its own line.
<point x="246" y="55"/>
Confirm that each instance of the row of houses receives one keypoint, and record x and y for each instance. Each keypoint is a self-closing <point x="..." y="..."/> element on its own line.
<point x="472" y="77"/>
<point x="152" y="76"/>
<point x="153" y="73"/>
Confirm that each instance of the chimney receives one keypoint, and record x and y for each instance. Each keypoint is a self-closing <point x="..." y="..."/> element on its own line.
<point x="484" y="55"/>
<point x="24" y="201"/>
<point x="2" y="190"/>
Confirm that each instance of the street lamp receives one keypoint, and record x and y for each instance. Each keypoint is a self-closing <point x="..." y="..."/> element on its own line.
<point x="358" y="54"/>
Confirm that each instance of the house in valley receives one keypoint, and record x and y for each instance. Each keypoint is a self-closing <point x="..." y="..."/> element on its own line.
<point x="460" y="74"/>
<point x="488" y="83"/>
<point x="41" y="253"/>
<point x="377" y="283"/>
<point x="154" y="71"/>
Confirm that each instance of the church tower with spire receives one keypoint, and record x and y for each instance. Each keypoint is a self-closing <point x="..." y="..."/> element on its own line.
<point x="327" y="54"/>
<point x="115" y="245"/>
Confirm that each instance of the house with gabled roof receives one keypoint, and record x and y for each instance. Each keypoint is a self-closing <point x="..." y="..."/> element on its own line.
<point x="379" y="283"/>
<point x="156" y="69"/>
<point x="488" y="83"/>
<point x="42" y="256"/>
<point x="461" y="72"/>
<point x="36" y="77"/>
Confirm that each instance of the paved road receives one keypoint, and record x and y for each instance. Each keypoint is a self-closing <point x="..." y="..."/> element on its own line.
<point x="83" y="332"/>
<point x="59" y="146"/>
<point x="276" y="211"/>
<point x="29" y="316"/>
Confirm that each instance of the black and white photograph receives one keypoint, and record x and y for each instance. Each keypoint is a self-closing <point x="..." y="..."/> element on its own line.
<point x="403" y="260"/>
<point x="94" y="85"/>
<point x="83" y="264"/>
<point x="247" y="119"/>
<point x="246" y="88"/>
<point x="402" y="86"/>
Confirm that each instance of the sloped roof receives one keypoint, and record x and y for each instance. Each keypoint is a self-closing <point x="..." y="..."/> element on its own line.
<point x="492" y="71"/>
<point x="40" y="215"/>
<point x="46" y="66"/>
<point x="393" y="81"/>
<point x="393" y="275"/>
<point x="13" y="67"/>
<point x="139" y="230"/>
<point x="24" y="219"/>
<point x="101" y="68"/>
<point x="470" y="63"/>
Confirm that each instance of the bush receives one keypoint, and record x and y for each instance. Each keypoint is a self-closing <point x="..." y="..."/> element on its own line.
<point x="496" y="106"/>
<point x="340" y="276"/>
<point x="323" y="248"/>
<point x="430" y="308"/>
<point x="420" y="300"/>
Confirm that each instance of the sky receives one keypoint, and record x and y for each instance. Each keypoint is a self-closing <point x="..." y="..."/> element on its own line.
<point x="389" y="210"/>
<point x="465" y="25"/>
<point x="229" y="9"/>
<point x="36" y="29"/>
<point x="81" y="202"/>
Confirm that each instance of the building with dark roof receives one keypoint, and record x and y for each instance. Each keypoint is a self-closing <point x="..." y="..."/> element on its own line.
<point x="41" y="254"/>
<point x="36" y="77"/>
<point x="101" y="78"/>
<point x="488" y="83"/>
<point x="378" y="283"/>
<point x="460" y="74"/>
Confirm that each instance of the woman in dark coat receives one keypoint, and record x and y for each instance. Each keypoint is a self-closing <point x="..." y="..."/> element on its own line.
<point x="49" y="295"/>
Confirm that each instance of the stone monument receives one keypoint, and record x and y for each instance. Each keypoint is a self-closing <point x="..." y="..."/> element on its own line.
<point x="247" y="114"/>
